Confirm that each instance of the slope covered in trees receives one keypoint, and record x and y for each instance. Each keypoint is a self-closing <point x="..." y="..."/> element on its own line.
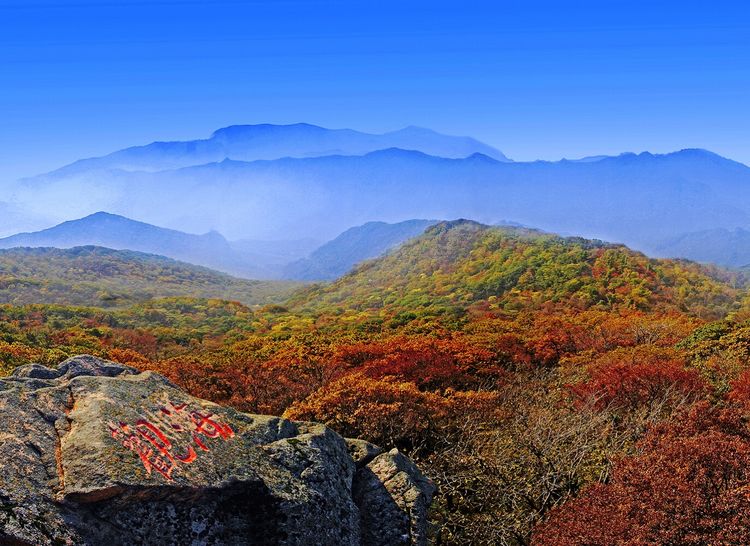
<point x="98" y="276"/>
<point x="536" y="379"/>
<point x="465" y="267"/>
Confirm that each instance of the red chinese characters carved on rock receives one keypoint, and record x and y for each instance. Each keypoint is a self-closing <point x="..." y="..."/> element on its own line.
<point x="170" y="437"/>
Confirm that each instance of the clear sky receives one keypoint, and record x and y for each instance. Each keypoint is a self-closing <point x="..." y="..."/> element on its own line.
<point x="535" y="79"/>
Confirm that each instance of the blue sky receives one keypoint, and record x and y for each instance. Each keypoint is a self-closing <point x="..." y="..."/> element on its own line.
<point x="535" y="79"/>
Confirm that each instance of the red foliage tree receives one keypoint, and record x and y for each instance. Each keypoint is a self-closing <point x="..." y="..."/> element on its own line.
<point x="740" y="391"/>
<point x="429" y="363"/>
<point x="628" y="386"/>
<point x="688" y="486"/>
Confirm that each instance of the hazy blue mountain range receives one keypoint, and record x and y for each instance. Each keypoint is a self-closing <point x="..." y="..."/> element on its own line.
<point x="274" y="255"/>
<point x="727" y="247"/>
<point x="266" y="141"/>
<point x="246" y="258"/>
<point x="642" y="199"/>
<point x="636" y="199"/>
<point x="14" y="218"/>
<point x="250" y="259"/>
<point x="339" y="256"/>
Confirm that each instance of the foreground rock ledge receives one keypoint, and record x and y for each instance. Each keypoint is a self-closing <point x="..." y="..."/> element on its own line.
<point x="96" y="453"/>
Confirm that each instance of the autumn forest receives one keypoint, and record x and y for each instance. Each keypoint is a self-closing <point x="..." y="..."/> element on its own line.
<point x="556" y="390"/>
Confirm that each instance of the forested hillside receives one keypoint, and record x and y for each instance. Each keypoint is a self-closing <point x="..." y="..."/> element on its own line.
<point x="98" y="276"/>
<point x="536" y="379"/>
<point x="465" y="267"/>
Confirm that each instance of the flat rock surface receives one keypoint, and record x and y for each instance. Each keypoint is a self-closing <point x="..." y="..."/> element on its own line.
<point x="96" y="453"/>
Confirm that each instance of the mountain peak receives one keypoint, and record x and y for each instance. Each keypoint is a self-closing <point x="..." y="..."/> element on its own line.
<point x="102" y="215"/>
<point x="478" y="156"/>
<point x="449" y="225"/>
<point x="413" y="130"/>
<point x="235" y="131"/>
<point x="268" y="141"/>
<point x="104" y="229"/>
<point x="697" y="153"/>
<point x="399" y="152"/>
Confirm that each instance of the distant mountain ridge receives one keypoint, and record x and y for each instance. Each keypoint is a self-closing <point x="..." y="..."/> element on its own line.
<point x="267" y="141"/>
<point x="623" y="198"/>
<point x="355" y="245"/>
<point x="725" y="247"/>
<point x="120" y="233"/>
<point x="112" y="230"/>
<point x="251" y="259"/>
<point x="294" y="182"/>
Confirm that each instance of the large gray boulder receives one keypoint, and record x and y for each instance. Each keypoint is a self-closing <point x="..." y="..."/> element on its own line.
<point x="94" y="452"/>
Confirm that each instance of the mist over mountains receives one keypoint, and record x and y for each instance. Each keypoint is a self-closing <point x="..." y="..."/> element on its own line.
<point x="337" y="257"/>
<point x="245" y="258"/>
<point x="292" y="260"/>
<point x="296" y="182"/>
<point x="725" y="247"/>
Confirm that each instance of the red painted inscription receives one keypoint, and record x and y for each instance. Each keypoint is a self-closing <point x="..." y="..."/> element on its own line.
<point x="169" y="437"/>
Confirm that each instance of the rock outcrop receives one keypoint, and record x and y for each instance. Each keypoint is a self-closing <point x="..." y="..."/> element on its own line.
<point x="94" y="452"/>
